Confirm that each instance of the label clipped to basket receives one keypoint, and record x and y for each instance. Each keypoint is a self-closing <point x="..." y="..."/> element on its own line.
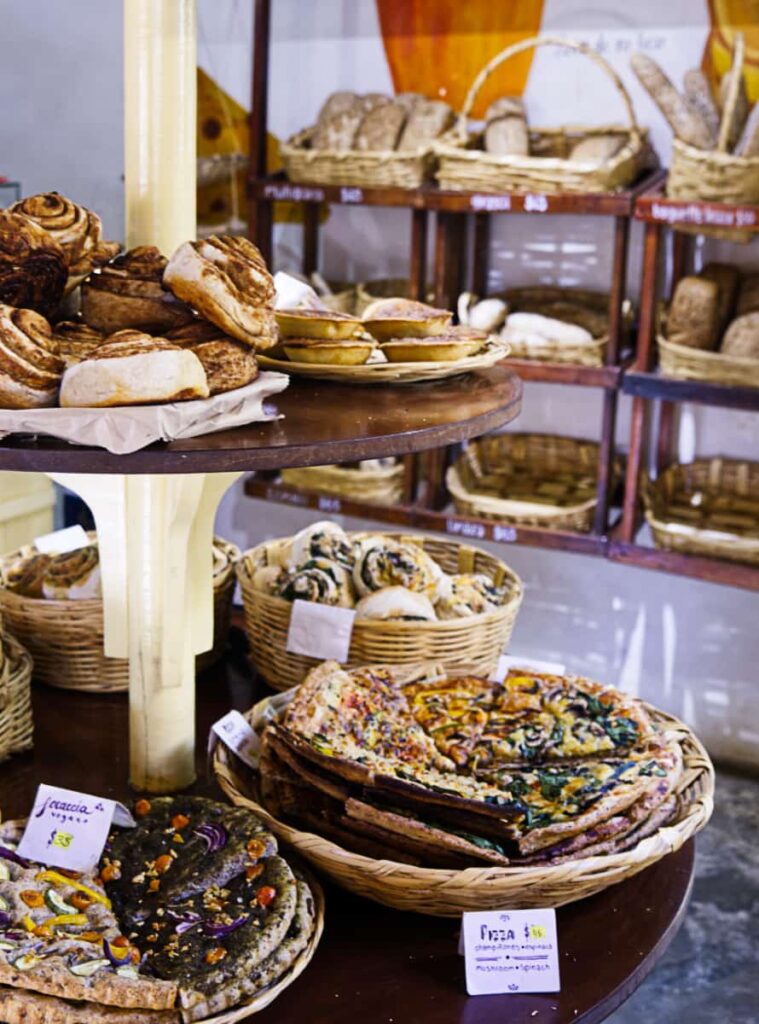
<point x="72" y="538"/>
<point x="235" y="733"/>
<point x="510" y="951"/>
<point x="320" y="631"/>
<point x="68" y="829"/>
<point x="507" y="662"/>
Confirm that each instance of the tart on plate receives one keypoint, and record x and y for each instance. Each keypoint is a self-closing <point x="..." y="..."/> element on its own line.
<point x="336" y="353"/>
<point x="386" y="319"/>
<point x="455" y="343"/>
<point x="322" y="324"/>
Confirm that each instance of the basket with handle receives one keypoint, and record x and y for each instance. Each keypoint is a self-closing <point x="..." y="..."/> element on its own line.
<point x="464" y="165"/>
<point x="467" y="645"/>
<point x="716" y="176"/>
<point x="65" y="638"/>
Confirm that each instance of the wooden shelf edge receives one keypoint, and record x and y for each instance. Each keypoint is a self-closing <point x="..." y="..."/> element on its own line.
<point x="671" y="389"/>
<point x="709" y="570"/>
<point x="608" y="377"/>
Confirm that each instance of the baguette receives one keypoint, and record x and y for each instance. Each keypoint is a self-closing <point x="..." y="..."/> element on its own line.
<point x="687" y="124"/>
<point x="739" y="115"/>
<point x="698" y="93"/>
<point x="748" y="143"/>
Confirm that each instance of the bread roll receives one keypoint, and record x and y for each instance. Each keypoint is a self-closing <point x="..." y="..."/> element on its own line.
<point x="396" y="604"/>
<point x="33" y="270"/>
<point x="693" y="318"/>
<point x="74" y="576"/>
<point x="686" y="122"/>
<point x="506" y="127"/>
<point x="595" y="149"/>
<point x="427" y="120"/>
<point x="545" y="328"/>
<point x="30" y="369"/>
<point x="727" y="278"/>
<point x="229" y="364"/>
<point x="132" y="368"/>
<point x="742" y="337"/>
<point x="129" y="294"/>
<point x="75" y="340"/>
<point x="748" y="295"/>
<point x="226" y="279"/>
<point x="698" y="93"/>
<point x="380" y="128"/>
<point x="740" y="110"/>
<point x="748" y="143"/>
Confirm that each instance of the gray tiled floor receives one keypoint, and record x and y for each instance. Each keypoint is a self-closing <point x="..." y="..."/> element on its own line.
<point x="710" y="974"/>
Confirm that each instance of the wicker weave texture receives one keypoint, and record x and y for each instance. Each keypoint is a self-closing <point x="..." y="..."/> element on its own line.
<point x="16" y="725"/>
<point x="448" y="893"/>
<point x="378" y="169"/>
<point x="382" y="485"/>
<point x="468" y="645"/>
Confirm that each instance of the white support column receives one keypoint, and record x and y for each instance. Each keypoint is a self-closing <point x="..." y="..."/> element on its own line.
<point x="155" y="535"/>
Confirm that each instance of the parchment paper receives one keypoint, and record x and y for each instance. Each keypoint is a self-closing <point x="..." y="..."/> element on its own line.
<point x="126" y="429"/>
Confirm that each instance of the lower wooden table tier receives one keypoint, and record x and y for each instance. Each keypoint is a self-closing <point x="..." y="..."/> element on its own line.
<point x="374" y="965"/>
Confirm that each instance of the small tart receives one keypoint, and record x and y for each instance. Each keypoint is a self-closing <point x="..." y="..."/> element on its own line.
<point x="336" y="353"/>
<point x="317" y="323"/>
<point x="387" y="319"/>
<point x="456" y="343"/>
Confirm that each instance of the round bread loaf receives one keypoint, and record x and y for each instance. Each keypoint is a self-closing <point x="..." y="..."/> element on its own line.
<point x="32" y="265"/>
<point x="132" y="368"/>
<point x="742" y="337"/>
<point x="30" y="369"/>
<point x="226" y="280"/>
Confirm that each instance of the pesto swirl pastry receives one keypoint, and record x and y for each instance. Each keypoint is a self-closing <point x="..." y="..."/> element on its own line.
<point x="25" y="573"/>
<point x="322" y="540"/>
<point x="468" y="594"/>
<point x="74" y="576"/>
<point x="385" y="562"/>
<point x="319" y="580"/>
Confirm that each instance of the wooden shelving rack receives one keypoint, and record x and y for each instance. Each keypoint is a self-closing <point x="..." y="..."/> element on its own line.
<point x="624" y="371"/>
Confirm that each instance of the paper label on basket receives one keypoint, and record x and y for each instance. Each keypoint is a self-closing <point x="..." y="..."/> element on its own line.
<point x="507" y="662"/>
<point x="61" y="541"/>
<point x="235" y="733"/>
<point x="67" y="829"/>
<point x="510" y="951"/>
<point x="320" y="631"/>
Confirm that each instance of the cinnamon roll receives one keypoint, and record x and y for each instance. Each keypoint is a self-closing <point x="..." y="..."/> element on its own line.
<point x="131" y="368"/>
<point x="319" y="580"/>
<point x="226" y="279"/>
<point x="75" y="340"/>
<point x="228" y="363"/>
<point x="32" y="265"/>
<point x="469" y="594"/>
<point x="128" y="293"/>
<point x="24" y="575"/>
<point x="77" y="230"/>
<point x="321" y="540"/>
<point x="74" y="576"/>
<point x="30" y="369"/>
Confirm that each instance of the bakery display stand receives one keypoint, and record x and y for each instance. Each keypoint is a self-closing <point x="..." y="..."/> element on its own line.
<point x="646" y="384"/>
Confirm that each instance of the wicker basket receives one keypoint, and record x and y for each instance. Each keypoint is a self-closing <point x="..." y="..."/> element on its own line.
<point x="556" y="470"/>
<point x="377" y="169"/>
<point x="15" y="698"/>
<point x="467" y="645"/>
<point x="716" y="176"/>
<point x="464" y="164"/>
<point x="448" y="893"/>
<point x="65" y="638"/>
<point x="708" y="507"/>
<point x="377" y="485"/>
<point x="687" y="363"/>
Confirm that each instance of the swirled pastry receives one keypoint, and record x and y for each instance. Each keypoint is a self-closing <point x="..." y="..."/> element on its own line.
<point x="76" y="229"/>
<point x="270" y="579"/>
<point x="386" y="562"/>
<point x="30" y="369"/>
<point x="73" y="576"/>
<point x="129" y="293"/>
<point x="226" y="279"/>
<point x="32" y="265"/>
<point x="132" y="368"/>
<point x="396" y="604"/>
<point x="228" y="363"/>
<point x="24" y="575"/>
<point x="75" y="340"/>
<point x="321" y="540"/>
<point x="468" y="594"/>
<point x="319" y="580"/>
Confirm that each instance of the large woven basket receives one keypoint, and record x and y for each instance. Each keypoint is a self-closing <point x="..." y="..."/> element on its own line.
<point x="377" y="485"/>
<point x="707" y="507"/>
<point x="65" y="638"/>
<point x="716" y="176"/>
<point x="467" y="645"/>
<point x="373" y="169"/>
<point x="465" y="165"/>
<point x="556" y="470"/>
<point x="688" y="363"/>
<point x="15" y="698"/>
<point x="448" y="893"/>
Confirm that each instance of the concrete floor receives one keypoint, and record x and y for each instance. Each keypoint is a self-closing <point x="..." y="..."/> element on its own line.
<point x="710" y="974"/>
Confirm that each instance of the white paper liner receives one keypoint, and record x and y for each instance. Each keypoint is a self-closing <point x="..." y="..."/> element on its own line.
<point x="127" y="429"/>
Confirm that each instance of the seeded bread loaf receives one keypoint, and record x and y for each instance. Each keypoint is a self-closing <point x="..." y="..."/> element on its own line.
<point x="742" y="337"/>
<point x="694" y="313"/>
<point x="380" y="128"/>
<point x="685" y="121"/>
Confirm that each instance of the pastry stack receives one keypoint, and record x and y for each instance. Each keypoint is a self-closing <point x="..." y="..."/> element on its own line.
<point x="406" y="765"/>
<point x="187" y="915"/>
<point x="717" y="310"/>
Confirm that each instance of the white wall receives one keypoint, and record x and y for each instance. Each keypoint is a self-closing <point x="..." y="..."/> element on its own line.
<point x="692" y="647"/>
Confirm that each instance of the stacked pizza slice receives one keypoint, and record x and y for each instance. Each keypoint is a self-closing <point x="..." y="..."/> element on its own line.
<point x="405" y="764"/>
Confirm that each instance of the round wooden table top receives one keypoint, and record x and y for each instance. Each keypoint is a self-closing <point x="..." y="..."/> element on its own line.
<point x="375" y="965"/>
<point x="321" y="423"/>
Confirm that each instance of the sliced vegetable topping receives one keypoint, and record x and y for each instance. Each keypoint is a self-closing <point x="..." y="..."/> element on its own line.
<point x="218" y="931"/>
<point x="4" y="872"/>
<point x="214" y="956"/>
<point x="214" y="835"/>
<point x="32" y="898"/>
<point x="255" y="848"/>
<point x="80" y="900"/>
<point x="163" y="863"/>
<point x="26" y="962"/>
<point x="141" y="808"/>
<point x="56" y="877"/>
<point x="57" y="903"/>
<point x="11" y="855"/>
<point x="118" y="955"/>
<point x="179" y="821"/>
<point x="265" y="895"/>
<point x="252" y="871"/>
<point x="89" y="967"/>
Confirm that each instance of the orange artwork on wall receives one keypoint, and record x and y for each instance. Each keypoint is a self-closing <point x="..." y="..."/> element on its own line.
<point x="437" y="47"/>
<point x="727" y="17"/>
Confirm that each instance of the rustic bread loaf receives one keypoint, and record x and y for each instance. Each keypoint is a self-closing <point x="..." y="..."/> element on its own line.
<point x="727" y="278"/>
<point x="698" y="93"/>
<point x="742" y="337"/>
<point x="338" y="121"/>
<point x="380" y="128"/>
<point x="687" y="124"/>
<point x="595" y="149"/>
<point x="427" y="119"/>
<point x="506" y="127"/>
<point x="694" y="313"/>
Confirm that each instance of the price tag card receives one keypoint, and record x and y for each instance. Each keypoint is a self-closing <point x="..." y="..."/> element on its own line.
<point x="320" y="631"/>
<point x="507" y="662"/>
<point x="67" y="829"/>
<point x="235" y="733"/>
<point x="61" y="541"/>
<point x="510" y="951"/>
